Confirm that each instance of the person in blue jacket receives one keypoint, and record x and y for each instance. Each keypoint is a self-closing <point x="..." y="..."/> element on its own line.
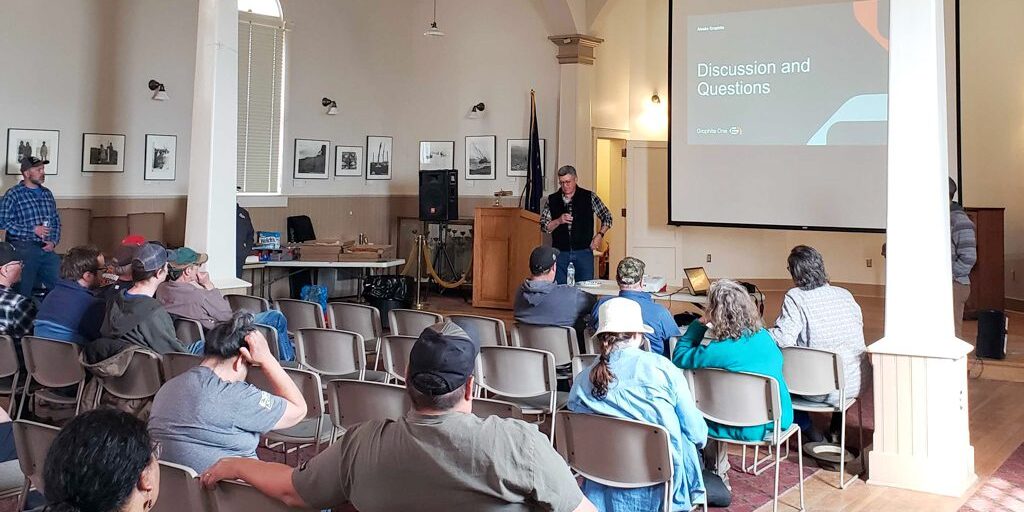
<point x="731" y="336"/>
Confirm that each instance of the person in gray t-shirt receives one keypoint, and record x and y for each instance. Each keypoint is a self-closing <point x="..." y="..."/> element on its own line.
<point x="210" y="411"/>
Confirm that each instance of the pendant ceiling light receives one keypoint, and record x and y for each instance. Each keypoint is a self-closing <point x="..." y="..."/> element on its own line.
<point x="433" y="30"/>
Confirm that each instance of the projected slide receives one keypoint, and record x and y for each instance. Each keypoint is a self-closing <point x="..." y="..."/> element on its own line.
<point x="808" y="75"/>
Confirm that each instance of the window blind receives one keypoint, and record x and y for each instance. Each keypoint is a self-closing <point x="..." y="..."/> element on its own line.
<point x="260" y="70"/>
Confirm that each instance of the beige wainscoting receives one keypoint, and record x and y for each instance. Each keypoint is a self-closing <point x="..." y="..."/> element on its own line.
<point x="173" y="209"/>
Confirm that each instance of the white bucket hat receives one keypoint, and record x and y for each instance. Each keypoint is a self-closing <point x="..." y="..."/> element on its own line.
<point x="621" y="315"/>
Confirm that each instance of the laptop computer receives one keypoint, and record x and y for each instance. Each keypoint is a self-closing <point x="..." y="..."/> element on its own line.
<point x="697" y="280"/>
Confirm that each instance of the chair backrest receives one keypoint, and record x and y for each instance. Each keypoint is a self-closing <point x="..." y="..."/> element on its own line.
<point x="559" y="340"/>
<point x="484" y="407"/>
<point x="180" y="490"/>
<point x="672" y="342"/>
<point x="149" y="225"/>
<point x="396" y="351"/>
<point x="8" y="357"/>
<point x="233" y="496"/>
<point x="74" y="228"/>
<point x="516" y="372"/>
<point x="812" y="371"/>
<point x="582" y="362"/>
<point x="735" y="398"/>
<point x="52" y="363"/>
<point x="107" y="232"/>
<point x="411" y="322"/>
<point x="32" y="440"/>
<point x="177" y="363"/>
<point x="488" y="331"/>
<point x="359" y="318"/>
<point x="614" y="451"/>
<point x="142" y="378"/>
<point x="301" y="314"/>
<point x="300" y="229"/>
<point x="250" y="303"/>
<point x="188" y="331"/>
<point x="354" y="401"/>
<point x="329" y="351"/>
<point x="272" y="342"/>
<point x="308" y="383"/>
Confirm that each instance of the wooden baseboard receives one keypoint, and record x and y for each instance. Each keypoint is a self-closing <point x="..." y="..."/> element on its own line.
<point x="1014" y="304"/>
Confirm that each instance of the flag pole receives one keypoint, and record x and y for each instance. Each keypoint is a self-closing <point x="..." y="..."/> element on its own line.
<point x="529" y="156"/>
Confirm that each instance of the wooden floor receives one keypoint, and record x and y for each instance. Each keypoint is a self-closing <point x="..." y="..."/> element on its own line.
<point x="996" y="416"/>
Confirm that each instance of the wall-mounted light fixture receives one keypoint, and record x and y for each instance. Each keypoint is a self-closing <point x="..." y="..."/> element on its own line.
<point x="159" y="91"/>
<point x="656" y="99"/>
<point x="332" y="106"/>
<point x="477" y="111"/>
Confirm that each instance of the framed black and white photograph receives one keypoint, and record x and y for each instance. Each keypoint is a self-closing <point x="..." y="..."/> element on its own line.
<point x="42" y="144"/>
<point x="480" y="162"/>
<point x="348" y="161"/>
<point x="161" y="157"/>
<point x="311" y="159"/>
<point x="102" y="152"/>
<point x="378" y="157"/>
<point x="436" y="155"/>
<point x="518" y="157"/>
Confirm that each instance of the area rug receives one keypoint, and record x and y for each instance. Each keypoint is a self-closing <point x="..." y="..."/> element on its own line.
<point x="1004" y="490"/>
<point x="751" y="492"/>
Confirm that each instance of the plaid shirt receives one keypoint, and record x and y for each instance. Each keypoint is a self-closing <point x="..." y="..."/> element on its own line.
<point x="16" y="313"/>
<point x="23" y="209"/>
<point x="602" y="212"/>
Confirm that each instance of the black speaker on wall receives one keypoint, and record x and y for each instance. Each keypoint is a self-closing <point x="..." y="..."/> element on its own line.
<point x="439" y="195"/>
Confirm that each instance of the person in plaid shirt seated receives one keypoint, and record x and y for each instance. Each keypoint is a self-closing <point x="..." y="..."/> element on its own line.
<point x="29" y="214"/>
<point x="16" y="311"/>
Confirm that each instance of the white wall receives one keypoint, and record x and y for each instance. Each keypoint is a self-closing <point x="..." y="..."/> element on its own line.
<point x="388" y="79"/>
<point x="83" y="66"/>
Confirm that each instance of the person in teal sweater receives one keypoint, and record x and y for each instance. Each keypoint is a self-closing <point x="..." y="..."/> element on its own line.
<point x="731" y="336"/>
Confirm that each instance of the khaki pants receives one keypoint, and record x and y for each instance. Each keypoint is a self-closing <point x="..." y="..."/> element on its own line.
<point x="961" y="292"/>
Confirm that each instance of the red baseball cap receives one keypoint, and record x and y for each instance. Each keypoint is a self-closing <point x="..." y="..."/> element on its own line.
<point x="133" y="240"/>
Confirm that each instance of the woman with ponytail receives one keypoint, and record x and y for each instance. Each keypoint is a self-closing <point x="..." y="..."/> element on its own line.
<point x="102" y="461"/>
<point x="629" y="382"/>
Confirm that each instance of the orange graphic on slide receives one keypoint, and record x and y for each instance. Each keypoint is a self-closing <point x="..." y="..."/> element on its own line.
<point x="866" y="13"/>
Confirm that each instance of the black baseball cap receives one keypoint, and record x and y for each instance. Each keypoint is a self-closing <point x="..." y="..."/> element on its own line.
<point x="151" y="256"/>
<point x="29" y="162"/>
<point x="8" y="253"/>
<point x="442" y="359"/>
<point x="542" y="259"/>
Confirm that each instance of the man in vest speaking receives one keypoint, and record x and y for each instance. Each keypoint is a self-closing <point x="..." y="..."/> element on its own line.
<point x="569" y="216"/>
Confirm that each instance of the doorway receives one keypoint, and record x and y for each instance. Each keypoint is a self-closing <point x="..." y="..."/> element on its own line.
<point x="610" y="167"/>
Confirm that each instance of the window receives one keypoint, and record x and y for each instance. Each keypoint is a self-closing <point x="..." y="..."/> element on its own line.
<point x="260" y="94"/>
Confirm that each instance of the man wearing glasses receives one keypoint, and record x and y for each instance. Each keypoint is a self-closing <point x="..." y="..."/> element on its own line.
<point x="569" y="216"/>
<point x="16" y="311"/>
<point x="71" y="312"/>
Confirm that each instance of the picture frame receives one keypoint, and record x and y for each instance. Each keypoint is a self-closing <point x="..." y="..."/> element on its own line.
<point x="348" y="160"/>
<point x="161" y="157"/>
<point x="103" y="152"/>
<point x="480" y="157"/>
<point x="310" y="158"/>
<point x="516" y="158"/>
<point x="42" y="144"/>
<point x="379" y="157"/>
<point x="436" y="155"/>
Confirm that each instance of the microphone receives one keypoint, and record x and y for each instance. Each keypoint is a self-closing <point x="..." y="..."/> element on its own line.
<point x="568" y="207"/>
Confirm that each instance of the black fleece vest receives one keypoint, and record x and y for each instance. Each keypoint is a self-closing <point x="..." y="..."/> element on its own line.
<point x="582" y="228"/>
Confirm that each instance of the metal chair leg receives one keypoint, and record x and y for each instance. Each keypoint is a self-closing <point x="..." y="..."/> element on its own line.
<point x="800" y="464"/>
<point x="775" y="498"/>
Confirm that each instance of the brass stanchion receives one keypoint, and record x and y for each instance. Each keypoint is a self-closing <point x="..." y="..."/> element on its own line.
<point x="419" y="272"/>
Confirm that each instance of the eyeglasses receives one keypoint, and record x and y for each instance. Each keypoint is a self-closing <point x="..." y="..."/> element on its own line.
<point x="157" y="449"/>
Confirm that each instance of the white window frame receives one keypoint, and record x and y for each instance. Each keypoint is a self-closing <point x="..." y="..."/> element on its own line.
<point x="279" y="24"/>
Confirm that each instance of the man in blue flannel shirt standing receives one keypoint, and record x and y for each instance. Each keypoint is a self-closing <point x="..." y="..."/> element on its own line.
<point x="29" y="214"/>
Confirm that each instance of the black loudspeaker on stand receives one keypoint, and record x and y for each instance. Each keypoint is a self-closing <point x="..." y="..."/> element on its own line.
<point x="439" y="195"/>
<point x="991" y="334"/>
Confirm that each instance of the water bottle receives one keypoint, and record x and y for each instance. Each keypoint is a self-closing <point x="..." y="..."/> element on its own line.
<point x="570" y="274"/>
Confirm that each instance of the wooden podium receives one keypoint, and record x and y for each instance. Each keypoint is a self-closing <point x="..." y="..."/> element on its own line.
<point x="502" y="241"/>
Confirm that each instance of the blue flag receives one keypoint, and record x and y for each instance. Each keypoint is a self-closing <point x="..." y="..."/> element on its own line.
<point x="535" y="179"/>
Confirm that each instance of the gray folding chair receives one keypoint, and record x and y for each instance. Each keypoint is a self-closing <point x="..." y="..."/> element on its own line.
<point x="272" y="342"/>
<point x="32" y="440"/>
<point x="180" y="490"/>
<point x="485" y="407"/>
<point x="582" y="362"/>
<point x="488" y="331"/>
<point x="740" y="399"/>
<point x="811" y="371"/>
<point x="560" y="341"/>
<point x="411" y="322"/>
<point x="250" y="303"/>
<point x="360" y="318"/>
<point x="188" y="331"/>
<point x="235" y="496"/>
<point x="523" y="376"/>
<point x="641" y="455"/>
<point x="141" y="379"/>
<point x="10" y="370"/>
<point x="352" y="401"/>
<point x="396" y="351"/>
<point x="301" y="314"/>
<point x="52" y="365"/>
<point x="309" y="431"/>
<point x="177" y="363"/>
<point x="335" y="355"/>
<point x="11" y="479"/>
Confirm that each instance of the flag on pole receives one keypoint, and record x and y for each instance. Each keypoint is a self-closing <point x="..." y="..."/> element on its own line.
<point x="535" y="178"/>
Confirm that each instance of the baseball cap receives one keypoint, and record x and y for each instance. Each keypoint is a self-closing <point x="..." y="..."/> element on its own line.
<point x="133" y="240"/>
<point x="630" y="271"/>
<point x="8" y="253"/>
<point x="442" y="359"/>
<point x="29" y="162"/>
<point x="185" y="256"/>
<point x="151" y="256"/>
<point x="542" y="259"/>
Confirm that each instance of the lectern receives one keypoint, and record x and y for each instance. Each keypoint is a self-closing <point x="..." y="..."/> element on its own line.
<point x="502" y="241"/>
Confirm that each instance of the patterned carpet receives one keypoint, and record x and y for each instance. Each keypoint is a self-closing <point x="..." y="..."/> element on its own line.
<point x="1004" y="490"/>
